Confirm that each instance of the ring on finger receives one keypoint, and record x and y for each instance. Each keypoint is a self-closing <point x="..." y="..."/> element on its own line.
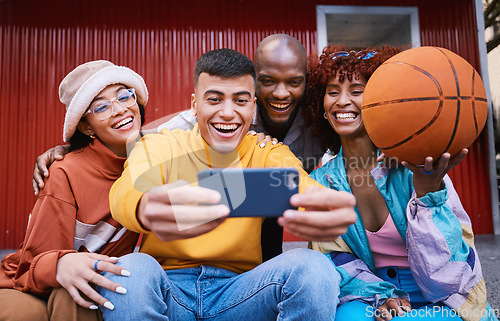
<point x="95" y="265"/>
<point x="426" y="172"/>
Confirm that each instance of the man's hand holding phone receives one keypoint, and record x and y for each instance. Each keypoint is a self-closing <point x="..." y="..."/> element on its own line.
<point x="171" y="213"/>
<point x="274" y="192"/>
<point x="328" y="214"/>
<point x="179" y="210"/>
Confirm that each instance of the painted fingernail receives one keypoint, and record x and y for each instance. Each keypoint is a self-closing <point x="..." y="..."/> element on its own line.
<point x="121" y="290"/>
<point x="274" y="142"/>
<point x="262" y="145"/>
<point x="114" y="258"/>
<point x="109" y="305"/>
<point x="125" y="272"/>
<point x="93" y="307"/>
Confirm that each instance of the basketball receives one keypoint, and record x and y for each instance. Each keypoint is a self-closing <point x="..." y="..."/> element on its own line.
<point x="423" y="102"/>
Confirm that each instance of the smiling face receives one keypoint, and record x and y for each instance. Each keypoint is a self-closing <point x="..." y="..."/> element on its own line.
<point x="281" y="74"/>
<point x="342" y="104"/>
<point x="114" y="132"/>
<point x="225" y="108"/>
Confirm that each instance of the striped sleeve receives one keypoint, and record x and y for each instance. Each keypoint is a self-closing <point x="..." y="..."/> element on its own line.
<point x="358" y="282"/>
<point x="441" y="251"/>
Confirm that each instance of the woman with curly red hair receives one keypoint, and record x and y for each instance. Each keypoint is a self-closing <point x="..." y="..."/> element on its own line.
<point x="410" y="254"/>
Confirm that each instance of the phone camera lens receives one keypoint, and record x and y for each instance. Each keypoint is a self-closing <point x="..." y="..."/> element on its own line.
<point x="292" y="181"/>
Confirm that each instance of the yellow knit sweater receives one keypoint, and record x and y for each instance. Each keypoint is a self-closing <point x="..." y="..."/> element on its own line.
<point x="179" y="155"/>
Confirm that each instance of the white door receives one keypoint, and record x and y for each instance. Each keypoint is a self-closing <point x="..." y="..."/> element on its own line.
<point x="362" y="26"/>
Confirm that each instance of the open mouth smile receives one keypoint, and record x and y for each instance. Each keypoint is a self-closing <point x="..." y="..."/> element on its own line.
<point x="280" y="105"/>
<point x="345" y="116"/>
<point x="122" y="124"/>
<point x="226" y="128"/>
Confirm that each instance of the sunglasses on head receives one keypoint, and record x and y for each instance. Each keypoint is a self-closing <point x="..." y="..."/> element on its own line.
<point x="357" y="54"/>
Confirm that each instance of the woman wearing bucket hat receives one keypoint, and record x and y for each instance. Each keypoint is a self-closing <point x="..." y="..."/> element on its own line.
<point x="71" y="236"/>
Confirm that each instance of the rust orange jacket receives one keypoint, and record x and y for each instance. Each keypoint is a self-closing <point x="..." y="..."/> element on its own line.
<point x="71" y="214"/>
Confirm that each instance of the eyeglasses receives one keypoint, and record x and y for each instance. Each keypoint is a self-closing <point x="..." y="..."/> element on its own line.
<point x="358" y="54"/>
<point x="103" y="109"/>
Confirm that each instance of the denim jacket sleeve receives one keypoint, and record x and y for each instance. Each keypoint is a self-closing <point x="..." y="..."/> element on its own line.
<point x="440" y="246"/>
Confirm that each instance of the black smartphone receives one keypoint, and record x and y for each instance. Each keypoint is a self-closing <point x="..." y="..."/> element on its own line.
<point x="251" y="192"/>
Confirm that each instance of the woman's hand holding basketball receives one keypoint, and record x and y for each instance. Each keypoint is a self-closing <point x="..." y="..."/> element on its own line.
<point x="387" y="161"/>
<point x="429" y="177"/>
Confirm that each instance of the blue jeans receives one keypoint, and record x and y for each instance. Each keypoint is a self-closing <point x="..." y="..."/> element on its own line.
<point x="421" y="308"/>
<point x="300" y="284"/>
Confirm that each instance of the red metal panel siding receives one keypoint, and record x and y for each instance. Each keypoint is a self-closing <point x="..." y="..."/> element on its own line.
<point x="454" y="27"/>
<point x="41" y="41"/>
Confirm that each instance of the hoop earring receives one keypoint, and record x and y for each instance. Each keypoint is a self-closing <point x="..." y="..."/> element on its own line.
<point x="92" y="135"/>
<point x="324" y="115"/>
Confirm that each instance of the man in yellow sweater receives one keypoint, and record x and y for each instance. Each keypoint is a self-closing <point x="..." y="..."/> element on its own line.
<point x="213" y="270"/>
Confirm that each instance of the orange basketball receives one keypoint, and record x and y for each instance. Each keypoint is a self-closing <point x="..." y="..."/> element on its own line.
<point x="423" y="102"/>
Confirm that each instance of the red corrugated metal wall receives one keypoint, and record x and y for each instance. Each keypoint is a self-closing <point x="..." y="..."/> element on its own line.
<point x="40" y="41"/>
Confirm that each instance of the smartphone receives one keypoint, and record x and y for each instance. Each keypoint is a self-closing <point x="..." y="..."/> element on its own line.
<point x="250" y="192"/>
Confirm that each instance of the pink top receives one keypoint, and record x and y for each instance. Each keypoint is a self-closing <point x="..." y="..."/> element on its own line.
<point x="387" y="246"/>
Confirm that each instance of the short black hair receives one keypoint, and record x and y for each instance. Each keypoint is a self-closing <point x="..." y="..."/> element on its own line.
<point x="80" y="140"/>
<point x="224" y="63"/>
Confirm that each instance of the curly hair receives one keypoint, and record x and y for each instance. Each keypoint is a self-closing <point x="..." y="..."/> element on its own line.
<point x="346" y="63"/>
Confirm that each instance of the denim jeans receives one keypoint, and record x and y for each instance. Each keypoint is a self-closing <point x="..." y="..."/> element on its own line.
<point x="421" y="308"/>
<point x="300" y="284"/>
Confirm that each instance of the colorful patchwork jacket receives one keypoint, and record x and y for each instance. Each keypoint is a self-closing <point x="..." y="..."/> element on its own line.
<point x="439" y="242"/>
